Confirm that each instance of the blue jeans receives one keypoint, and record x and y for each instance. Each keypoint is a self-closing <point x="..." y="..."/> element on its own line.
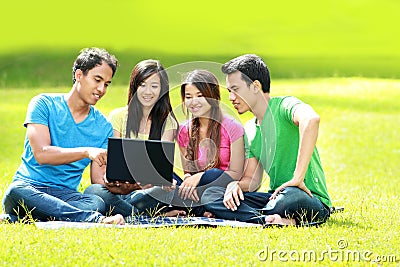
<point x="210" y="178"/>
<point x="44" y="203"/>
<point x="139" y="202"/>
<point x="292" y="203"/>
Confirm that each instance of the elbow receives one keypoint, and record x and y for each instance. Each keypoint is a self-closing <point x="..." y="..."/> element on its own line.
<point x="311" y="121"/>
<point x="40" y="157"/>
<point x="234" y="175"/>
<point x="255" y="184"/>
<point x="315" y="120"/>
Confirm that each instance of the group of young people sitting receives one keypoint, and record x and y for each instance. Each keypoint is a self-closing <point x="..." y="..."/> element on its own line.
<point x="223" y="162"/>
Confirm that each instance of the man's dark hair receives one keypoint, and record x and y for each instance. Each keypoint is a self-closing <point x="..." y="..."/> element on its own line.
<point x="92" y="57"/>
<point x="252" y="68"/>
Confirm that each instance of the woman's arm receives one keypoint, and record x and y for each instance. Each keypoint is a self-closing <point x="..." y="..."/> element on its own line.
<point x="236" y="165"/>
<point x="169" y="135"/>
<point x="188" y="187"/>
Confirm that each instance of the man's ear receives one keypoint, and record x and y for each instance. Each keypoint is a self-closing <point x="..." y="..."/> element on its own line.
<point x="257" y="86"/>
<point x="78" y="75"/>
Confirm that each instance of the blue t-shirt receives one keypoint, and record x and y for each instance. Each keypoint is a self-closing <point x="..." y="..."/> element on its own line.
<point x="52" y="110"/>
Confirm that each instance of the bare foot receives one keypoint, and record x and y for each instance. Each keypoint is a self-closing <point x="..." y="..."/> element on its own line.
<point x="208" y="214"/>
<point x="4" y="218"/>
<point x="277" y="219"/>
<point x="116" y="219"/>
<point x="174" y="213"/>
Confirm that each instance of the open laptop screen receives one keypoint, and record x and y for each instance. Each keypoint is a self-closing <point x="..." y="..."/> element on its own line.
<point x="143" y="161"/>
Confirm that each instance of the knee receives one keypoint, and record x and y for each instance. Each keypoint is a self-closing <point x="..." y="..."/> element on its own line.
<point x="98" y="204"/>
<point x="14" y="196"/>
<point x="212" y="194"/>
<point x="158" y="194"/>
<point x="295" y="194"/>
<point x="211" y="175"/>
<point x="215" y="177"/>
<point x="95" y="189"/>
<point x="98" y="190"/>
<point x="15" y="189"/>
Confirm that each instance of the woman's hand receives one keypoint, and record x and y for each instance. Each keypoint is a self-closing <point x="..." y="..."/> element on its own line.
<point x="169" y="188"/>
<point x="188" y="187"/>
<point x="123" y="188"/>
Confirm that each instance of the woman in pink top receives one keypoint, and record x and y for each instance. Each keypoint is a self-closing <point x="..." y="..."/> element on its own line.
<point x="208" y="140"/>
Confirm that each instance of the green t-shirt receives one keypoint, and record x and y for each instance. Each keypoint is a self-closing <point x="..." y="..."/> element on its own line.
<point x="119" y="116"/>
<point x="275" y="145"/>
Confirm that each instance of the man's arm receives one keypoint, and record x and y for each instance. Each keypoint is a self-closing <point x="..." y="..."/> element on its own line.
<point x="45" y="153"/>
<point x="98" y="176"/>
<point x="251" y="180"/>
<point x="308" y="121"/>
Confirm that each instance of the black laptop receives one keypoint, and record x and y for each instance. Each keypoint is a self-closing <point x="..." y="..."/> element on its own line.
<point x="143" y="161"/>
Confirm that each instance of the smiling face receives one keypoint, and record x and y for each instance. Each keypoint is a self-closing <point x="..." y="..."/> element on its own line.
<point x="149" y="90"/>
<point x="93" y="86"/>
<point x="196" y="103"/>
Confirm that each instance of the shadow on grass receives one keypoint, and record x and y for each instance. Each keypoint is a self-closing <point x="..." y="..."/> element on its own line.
<point x="52" y="67"/>
<point x="342" y="222"/>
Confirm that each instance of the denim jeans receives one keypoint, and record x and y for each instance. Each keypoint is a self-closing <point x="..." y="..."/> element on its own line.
<point x="291" y="203"/>
<point x="44" y="203"/>
<point x="210" y="178"/>
<point x="139" y="202"/>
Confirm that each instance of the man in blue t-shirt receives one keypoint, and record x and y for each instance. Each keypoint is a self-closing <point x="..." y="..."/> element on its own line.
<point x="64" y="133"/>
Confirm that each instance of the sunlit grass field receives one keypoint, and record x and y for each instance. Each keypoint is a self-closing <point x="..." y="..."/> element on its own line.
<point x="360" y="152"/>
<point x="341" y="56"/>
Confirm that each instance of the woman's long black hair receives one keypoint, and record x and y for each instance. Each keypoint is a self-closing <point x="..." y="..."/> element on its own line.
<point x="162" y="107"/>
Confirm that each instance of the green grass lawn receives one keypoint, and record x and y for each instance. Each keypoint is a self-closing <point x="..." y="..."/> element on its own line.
<point x="302" y="43"/>
<point x="360" y="152"/>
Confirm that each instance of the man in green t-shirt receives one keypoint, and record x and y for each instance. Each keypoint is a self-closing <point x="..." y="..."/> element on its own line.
<point x="280" y="140"/>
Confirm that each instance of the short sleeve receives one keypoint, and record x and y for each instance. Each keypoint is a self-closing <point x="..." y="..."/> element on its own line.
<point x="288" y="107"/>
<point x="118" y="118"/>
<point x="183" y="135"/>
<point x="234" y="128"/>
<point x="249" y="136"/>
<point x="248" y="154"/>
<point x="170" y="123"/>
<point x="38" y="111"/>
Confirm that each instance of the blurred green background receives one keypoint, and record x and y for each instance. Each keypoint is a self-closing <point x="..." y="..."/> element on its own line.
<point x="341" y="38"/>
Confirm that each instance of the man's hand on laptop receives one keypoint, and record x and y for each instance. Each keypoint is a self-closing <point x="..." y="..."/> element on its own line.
<point x="98" y="155"/>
